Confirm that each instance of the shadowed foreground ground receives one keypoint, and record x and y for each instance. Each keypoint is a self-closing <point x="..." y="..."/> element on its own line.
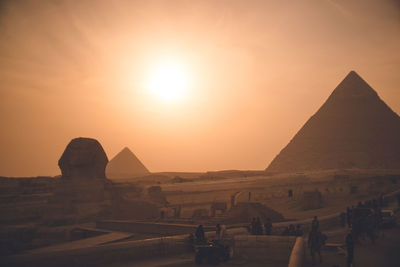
<point x="384" y="253"/>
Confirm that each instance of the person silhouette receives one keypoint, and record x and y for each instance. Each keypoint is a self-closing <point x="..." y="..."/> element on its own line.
<point x="200" y="236"/>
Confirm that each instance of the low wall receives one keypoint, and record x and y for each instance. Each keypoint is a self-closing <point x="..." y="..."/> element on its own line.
<point x="297" y="255"/>
<point x="160" y="229"/>
<point x="271" y="249"/>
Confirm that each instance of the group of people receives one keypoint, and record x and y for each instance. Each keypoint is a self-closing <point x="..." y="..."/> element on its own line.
<point x="257" y="228"/>
<point x="364" y="219"/>
<point x="374" y="204"/>
<point x="293" y="231"/>
<point x="200" y="235"/>
<point x="200" y="238"/>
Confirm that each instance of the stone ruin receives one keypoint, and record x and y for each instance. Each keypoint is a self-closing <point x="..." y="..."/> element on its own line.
<point x="83" y="158"/>
<point x="218" y="208"/>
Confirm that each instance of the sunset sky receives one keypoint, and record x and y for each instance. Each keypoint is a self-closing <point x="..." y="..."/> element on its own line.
<point x="245" y="76"/>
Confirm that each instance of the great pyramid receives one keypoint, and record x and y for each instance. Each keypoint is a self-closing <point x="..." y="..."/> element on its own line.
<point x="354" y="128"/>
<point x="125" y="165"/>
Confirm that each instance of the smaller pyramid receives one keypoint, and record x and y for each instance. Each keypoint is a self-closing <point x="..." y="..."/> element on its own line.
<point x="125" y="165"/>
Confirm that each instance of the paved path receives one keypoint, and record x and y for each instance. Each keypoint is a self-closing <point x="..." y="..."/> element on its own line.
<point x="83" y="243"/>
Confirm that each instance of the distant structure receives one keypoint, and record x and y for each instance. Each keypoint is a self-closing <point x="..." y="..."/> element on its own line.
<point x="125" y="165"/>
<point x="83" y="158"/>
<point x="354" y="128"/>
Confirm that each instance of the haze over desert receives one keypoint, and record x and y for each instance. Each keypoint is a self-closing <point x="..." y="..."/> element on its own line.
<point x="187" y="133"/>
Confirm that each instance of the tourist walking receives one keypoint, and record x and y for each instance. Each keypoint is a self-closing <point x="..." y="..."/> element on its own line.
<point x="218" y="230"/>
<point x="315" y="224"/>
<point x="315" y="242"/>
<point x="200" y="236"/>
<point x="259" y="229"/>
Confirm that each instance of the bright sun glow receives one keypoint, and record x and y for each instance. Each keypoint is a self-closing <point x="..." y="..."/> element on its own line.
<point x="169" y="81"/>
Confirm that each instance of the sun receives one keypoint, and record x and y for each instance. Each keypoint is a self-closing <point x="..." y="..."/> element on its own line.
<point x="169" y="81"/>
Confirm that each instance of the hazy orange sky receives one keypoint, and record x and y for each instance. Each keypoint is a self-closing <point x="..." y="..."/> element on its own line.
<point x="259" y="70"/>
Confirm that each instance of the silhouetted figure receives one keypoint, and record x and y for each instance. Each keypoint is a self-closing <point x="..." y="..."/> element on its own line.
<point x="218" y="231"/>
<point x="285" y="231"/>
<point x="178" y="212"/>
<point x="290" y="193"/>
<point x="315" y="242"/>
<point x="350" y="249"/>
<point x="253" y="226"/>
<point x="268" y="226"/>
<point x="343" y="219"/>
<point x="374" y="204"/>
<point x="381" y="201"/>
<point x="200" y="237"/>
<point x="223" y="232"/>
<point x="249" y="196"/>
<point x="349" y="216"/>
<point x="315" y="224"/>
<point x="292" y="230"/>
<point x="259" y="230"/>
<point x="299" y="231"/>
<point x="370" y="227"/>
<point x="192" y="241"/>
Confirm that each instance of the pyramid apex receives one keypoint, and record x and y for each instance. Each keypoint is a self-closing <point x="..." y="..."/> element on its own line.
<point x="354" y="86"/>
<point x="353" y="72"/>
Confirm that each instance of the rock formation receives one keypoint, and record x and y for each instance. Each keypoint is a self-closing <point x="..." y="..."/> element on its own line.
<point x="83" y="158"/>
<point x="354" y="128"/>
<point x="125" y="165"/>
